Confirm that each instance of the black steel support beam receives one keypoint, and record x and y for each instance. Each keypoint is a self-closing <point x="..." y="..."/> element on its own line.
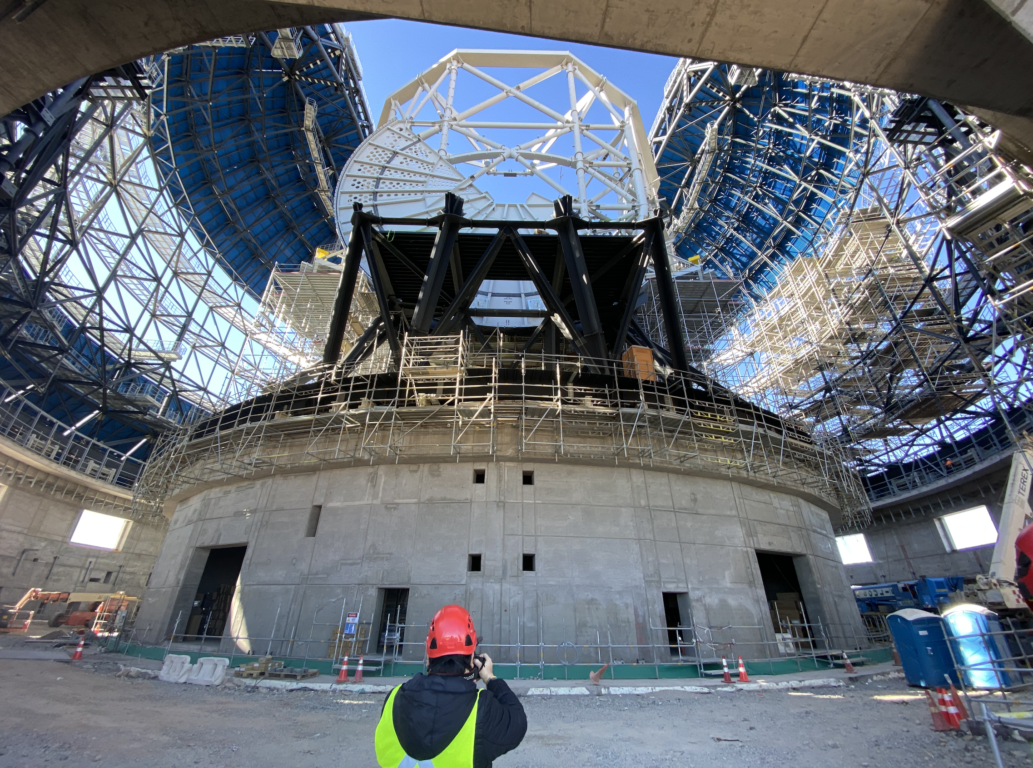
<point x="379" y="279"/>
<point x="580" y="280"/>
<point x="631" y="291"/>
<point x="668" y="295"/>
<point x="465" y="295"/>
<point x="437" y="269"/>
<point x="548" y="295"/>
<point x="345" y="291"/>
<point x="365" y="344"/>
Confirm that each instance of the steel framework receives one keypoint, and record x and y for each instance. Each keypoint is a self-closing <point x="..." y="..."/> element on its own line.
<point x="888" y="304"/>
<point x="119" y="318"/>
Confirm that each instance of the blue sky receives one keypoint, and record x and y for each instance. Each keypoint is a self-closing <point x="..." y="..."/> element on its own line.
<point x="393" y="52"/>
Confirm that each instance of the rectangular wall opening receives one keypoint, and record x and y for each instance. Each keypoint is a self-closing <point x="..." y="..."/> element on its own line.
<point x="473" y="563"/>
<point x="528" y="477"/>
<point x="782" y="590"/>
<point x="527" y="563"/>
<point x="313" y="521"/>
<point x="676" y="616"/>
<point x="394" y="603"/>
<point x="210" y="612"/>
<point x="478" y="476"/>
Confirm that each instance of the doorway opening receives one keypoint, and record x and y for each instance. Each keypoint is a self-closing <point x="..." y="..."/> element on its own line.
<point x="677" y="620"/>
<point x="210" y="612"/>
<point x="394" y="603"/>
<point x="789" y="614"/>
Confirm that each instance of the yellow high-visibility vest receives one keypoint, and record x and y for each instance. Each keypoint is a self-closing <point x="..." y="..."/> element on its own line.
<point x="458" y="754"/>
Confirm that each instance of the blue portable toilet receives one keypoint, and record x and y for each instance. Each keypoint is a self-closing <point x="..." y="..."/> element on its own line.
<point x="977" y="650"/>
<point x="922" y="646"/>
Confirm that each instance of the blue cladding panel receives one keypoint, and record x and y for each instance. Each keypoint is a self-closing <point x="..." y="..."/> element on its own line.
<point x="235" y="135"/>
<point x="780" y="169"/>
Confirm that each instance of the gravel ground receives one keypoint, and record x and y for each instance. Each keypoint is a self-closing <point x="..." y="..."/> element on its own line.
<point x="54" y="713"/>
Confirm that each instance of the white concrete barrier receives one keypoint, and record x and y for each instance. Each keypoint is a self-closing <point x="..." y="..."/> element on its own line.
<point x="211" y="670"/>
<point x="176" y="668"/>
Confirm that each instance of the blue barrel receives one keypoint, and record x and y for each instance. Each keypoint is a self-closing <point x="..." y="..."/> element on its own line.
<point x="922" y="646"/>
<point x="976" y="649"/>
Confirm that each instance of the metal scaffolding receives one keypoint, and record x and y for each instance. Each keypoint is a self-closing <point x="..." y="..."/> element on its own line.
<point x="894" y="324"/>
<point x="448" y="398"/>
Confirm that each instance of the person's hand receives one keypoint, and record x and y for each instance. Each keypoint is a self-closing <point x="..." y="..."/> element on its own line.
<point x="484" y="666"/>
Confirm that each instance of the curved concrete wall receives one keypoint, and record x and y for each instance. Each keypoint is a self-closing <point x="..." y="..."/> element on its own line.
<point x="964" y="51"/>
<point x="608" y="542"/>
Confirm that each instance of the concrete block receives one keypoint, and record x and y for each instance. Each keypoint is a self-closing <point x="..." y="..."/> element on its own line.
<point x="176" y="668"/>
<point x="209" y="670"/>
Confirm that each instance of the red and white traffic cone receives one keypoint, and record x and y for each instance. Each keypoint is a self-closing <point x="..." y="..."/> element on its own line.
<point x="724" y="668"/>
<point x="958" y="702"/>
<point x="848" y="664"/>
<point x="950" y="712"/>
<point x="939" y="721"/>
<point x="77" y="656"/>
<point x="936" y="709"/>
<point x="358" y="671"/>
<point x="742" y="672"/>
<point x="342" y="676"/>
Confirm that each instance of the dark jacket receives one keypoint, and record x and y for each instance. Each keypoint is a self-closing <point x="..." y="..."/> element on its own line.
<point x="430" y="710"/>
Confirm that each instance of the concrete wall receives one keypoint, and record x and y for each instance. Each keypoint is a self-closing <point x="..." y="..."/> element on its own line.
<point x="608" y="541"/>
<point x="910" y="546"/>
<point x="908" y="550"/>
<point x="34" y="549"/>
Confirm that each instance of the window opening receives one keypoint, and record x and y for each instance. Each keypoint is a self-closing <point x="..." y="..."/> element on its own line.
<point x="969" y="528"/>
<point x="101" y="531"/>
<point x="853" y="549"/>
<point x="473" y="563"/>
<point x="528" y="563"/>
<point x="478" y="476"/>
<point x="529" y="477"/>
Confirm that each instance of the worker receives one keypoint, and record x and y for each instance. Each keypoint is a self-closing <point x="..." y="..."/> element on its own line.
<point x="442" y="717"/>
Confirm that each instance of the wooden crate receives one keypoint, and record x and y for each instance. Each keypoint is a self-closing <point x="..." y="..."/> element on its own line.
<point x="638" y="363"/>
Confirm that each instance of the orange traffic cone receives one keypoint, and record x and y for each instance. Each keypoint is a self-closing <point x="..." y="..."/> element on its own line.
<point x="342" y="676"/>
<point x="742" y="672"/>
<point x="958" y="702"/>
<point x="939" y="721"/>
<point x="77" y="656"/>
<point x="950" y="712"/>
<point x="597" y="676"/>
<point x="724" y="668"/>
<point x="358" y="671"/>
<point x="849" y="664"/>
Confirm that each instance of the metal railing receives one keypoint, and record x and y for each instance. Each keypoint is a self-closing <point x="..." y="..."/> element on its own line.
<point x="560" y="406"/>
<point x="538" y="651"/>
<point x="30" y="427"/>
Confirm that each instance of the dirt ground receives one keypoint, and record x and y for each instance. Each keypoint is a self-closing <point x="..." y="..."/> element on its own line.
<point x="54" y="713"/>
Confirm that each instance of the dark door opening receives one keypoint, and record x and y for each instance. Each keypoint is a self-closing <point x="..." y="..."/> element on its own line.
<point x="210" y="611"/>
<point x="394" y="604"/>
<point x="783" y="593"/>
<point x="676" y="616"/>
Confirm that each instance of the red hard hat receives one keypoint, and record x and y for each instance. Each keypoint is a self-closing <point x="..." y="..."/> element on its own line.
<point x="451" y="632"/>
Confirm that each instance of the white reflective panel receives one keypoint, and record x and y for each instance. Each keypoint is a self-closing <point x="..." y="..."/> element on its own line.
<point x="98" y="530"/>
<point x="853" y="549"/>
<point x="970" y="528"/>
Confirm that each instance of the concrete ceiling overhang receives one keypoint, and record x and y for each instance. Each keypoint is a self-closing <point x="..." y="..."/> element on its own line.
<point x="962" y="51"/>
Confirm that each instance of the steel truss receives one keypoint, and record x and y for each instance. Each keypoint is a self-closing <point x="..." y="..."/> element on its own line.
<point x="898" y="326"/>
<point x="115" y="313"/>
